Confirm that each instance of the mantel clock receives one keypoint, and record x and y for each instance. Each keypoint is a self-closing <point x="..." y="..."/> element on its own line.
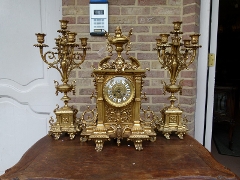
<point x="118" y="86"/>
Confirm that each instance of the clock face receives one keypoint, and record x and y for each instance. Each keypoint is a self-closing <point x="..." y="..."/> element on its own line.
<point x="118" y="91"/>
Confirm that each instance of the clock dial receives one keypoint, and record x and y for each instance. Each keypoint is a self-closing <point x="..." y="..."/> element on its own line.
<point x="118" y="91"/>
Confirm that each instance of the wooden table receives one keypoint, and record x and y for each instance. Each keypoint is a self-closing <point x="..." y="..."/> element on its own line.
<point x="163" y="159"/>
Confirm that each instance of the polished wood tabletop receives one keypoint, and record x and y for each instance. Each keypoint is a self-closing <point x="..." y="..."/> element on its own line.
<point x="163" y="159"/>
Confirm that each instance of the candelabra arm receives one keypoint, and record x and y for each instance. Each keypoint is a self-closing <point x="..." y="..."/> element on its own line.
<point x="193" y="55"/>
<point x="73" y="87"/>
<point x="159" y="55"/>
<point x="78" y="56"/>
<point x="51" y="55"/>
<point x="56" y="85"/>
<point x="164" y="86"/>
<point x="164" y="59"/>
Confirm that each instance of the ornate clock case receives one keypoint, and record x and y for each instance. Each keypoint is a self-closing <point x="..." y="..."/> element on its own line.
<point x="118" y="94"/>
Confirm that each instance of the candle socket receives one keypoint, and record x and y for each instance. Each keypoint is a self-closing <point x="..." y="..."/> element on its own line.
<point x="164" y="38"/>
<point x="40" y="37"/>
<point x="63" y="24"/>
<point x="83" y="41"/>
<point x="194" y="38"/>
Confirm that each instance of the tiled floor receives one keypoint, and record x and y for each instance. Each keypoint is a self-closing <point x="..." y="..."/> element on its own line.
<point x="231" y="162"/>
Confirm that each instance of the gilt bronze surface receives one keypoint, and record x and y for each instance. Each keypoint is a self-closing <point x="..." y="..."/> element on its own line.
<point x="175" y="57"/>
<point x="118" y="84"/>
<point x="64" y="59"/>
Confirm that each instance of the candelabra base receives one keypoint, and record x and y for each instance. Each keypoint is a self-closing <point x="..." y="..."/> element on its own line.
<point x="172" y="122"/>
<point x="65" y="122"/>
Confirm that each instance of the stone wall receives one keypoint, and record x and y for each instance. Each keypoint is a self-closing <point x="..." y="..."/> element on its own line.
<point x="148" y="18"/>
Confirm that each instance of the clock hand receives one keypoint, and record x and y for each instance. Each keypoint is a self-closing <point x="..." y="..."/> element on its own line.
<point x="119" y="92"/>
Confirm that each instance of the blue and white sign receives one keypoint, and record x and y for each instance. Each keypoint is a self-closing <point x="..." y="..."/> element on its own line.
<point x="98" y="17"/>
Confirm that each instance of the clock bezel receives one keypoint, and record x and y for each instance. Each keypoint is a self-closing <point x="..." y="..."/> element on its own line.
<point x="116" y="104"/>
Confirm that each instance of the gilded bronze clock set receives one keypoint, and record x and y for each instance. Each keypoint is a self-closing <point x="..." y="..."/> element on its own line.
<point x="118" y="83"/>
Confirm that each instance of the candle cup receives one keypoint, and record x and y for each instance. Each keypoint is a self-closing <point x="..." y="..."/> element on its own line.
<point x="63" y="24"/>
<point x="175" y="42"/>
<point x="186" y="42"/>
<point x="57" y="40"/>
<point x="164" y="38"/>
<point x="83" y="41"/>
<point x="71" y="37"/>
<point x="159" y="41"/>
<point x="194" y="38"/>
<point x="40" y="37"/>
<point x="177" y="25"/>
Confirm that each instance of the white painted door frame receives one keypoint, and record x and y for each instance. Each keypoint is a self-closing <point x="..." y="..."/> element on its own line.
<point x="205" y="74"/>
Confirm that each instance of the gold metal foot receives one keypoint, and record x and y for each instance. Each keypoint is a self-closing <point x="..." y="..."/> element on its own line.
<point x="153" y="138"/>
<point x="99" y="138"/>
<point x="137" y="140"/>
<point x="118" y="141"/>
<point x="72" y="135"/>
<point x="180" y="135"/>
<point x="56" y="136"/>
<point x="167" y="135"/>
<point x="84" y="139"/>
<point x="138" y="144"/>
<point x="99" y="144"/>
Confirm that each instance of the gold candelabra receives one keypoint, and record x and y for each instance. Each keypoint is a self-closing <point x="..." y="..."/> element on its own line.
<point x="174" y="58"/>
<point x="64" y="59"/>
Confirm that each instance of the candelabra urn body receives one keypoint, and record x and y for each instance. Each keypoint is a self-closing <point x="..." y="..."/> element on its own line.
<point x="175" y="57"/>
<point x="64" y="59"/>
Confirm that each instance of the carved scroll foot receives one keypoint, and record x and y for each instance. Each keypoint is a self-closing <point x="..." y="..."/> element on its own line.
<point x="83" y="139"/>
<point x="118" y="141"/>
<point x="99" y="144"/>
<point x="153" y="138"/>
<point x="99" y="136"/>
<point x="71" y="135"/>
<point x="180" y="135"/>
<point x="138" y="144"/>
<point x="167" y="135"/>
<point x="56" y="136"/>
